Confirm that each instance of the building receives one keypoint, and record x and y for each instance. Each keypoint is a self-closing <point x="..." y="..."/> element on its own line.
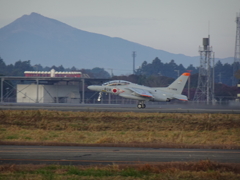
<point x="52" y="73"/>
<point x="34" y="93"/>
<point x="45" y="87"/>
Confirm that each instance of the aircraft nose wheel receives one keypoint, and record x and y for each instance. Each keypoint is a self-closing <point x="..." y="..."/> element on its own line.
<point x="99" y="96"/>
<point x="141" y="106"/>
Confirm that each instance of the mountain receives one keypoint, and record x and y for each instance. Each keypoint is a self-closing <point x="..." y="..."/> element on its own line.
<point x="50" y="42"/>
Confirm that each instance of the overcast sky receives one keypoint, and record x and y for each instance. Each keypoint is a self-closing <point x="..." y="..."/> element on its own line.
<point x="176" y="26"/>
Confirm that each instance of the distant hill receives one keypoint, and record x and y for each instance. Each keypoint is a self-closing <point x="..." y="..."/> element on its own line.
<point x="50" y="42"/>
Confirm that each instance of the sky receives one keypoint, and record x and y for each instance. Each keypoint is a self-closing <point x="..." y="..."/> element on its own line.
<point x="176" y="26"/>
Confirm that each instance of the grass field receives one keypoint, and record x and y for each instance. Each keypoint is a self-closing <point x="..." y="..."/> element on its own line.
<point x="185" y="130"/>
<point x="121" y="129"/>
<point x="203" y="170"/>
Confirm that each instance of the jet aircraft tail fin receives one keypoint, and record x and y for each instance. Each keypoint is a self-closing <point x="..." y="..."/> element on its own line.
<point x="177" y="86"/>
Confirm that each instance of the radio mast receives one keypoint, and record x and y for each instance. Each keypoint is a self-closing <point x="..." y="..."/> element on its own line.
<point x="237" y="50"/>
<point x="205" y="88"/>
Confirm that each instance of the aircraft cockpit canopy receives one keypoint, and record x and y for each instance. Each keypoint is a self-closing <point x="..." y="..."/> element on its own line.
<point x="116" y="83"/>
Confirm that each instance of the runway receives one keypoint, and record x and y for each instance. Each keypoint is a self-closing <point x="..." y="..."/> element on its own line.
<point x="151" y="108"/>
<point x="70" y="155"/>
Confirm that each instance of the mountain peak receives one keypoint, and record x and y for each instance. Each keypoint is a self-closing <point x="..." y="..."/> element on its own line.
<point x="39" y="25"/>
<point x="35" y="14"/>
<point x="34" y="18"/>
<point x="24" y="22"/>
<point x="51" y="42"/>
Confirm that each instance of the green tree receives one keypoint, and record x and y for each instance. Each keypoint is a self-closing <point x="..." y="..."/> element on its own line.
<point x="153" y="68"/>
<point x="19" y="68"/>
<point x="73" y="68"/>
<point x="2" y="67"/>
<point x="38" y="67"/>
<point x="61" y="68"/>
<point x="100" y="72"/>
<point x="192" y="69"/>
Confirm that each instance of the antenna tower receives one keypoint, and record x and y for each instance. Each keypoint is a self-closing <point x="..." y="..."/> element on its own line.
<point x="237" y="50"/>
<point x="205" y="88"/>
<point x="134" y="55"/>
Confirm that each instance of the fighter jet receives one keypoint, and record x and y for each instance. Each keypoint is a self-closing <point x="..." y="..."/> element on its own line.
<point x="141" y="93"/>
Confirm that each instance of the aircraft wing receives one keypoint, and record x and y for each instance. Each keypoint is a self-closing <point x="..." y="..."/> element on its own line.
<point x="180" y="97"/>
<point x="141" y="92"/>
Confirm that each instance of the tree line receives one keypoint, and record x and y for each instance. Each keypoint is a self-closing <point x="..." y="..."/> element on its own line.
<point x="18" y="68"/>
<point x="223" y="72"/>
<point x="154" y="74"/>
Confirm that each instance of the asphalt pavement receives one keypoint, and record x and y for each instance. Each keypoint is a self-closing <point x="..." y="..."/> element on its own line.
<point x="150" y="108"/>
<point x="73" y="155"/>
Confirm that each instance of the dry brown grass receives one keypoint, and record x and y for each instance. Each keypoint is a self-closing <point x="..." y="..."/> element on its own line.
<point x="120" y="127"/>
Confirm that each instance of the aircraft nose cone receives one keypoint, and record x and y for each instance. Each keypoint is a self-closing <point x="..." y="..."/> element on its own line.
<point x="91" y="88"/>
<point x="95" y="88"/>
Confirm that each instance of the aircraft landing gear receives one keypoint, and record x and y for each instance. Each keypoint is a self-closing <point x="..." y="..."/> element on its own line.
<point x="100" y="96"/>
<point x="141" y="105"/>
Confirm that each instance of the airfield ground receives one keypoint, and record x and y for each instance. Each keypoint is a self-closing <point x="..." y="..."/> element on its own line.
<point x="216" y="130"/>
<point x="178" y="130"/>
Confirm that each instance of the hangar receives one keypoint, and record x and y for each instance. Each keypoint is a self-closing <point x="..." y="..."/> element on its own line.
<point x="27" y="93"/>
<point x="45" y="87"/>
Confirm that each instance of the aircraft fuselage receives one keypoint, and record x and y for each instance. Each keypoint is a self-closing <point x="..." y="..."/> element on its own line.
<point x="130" y="90"/>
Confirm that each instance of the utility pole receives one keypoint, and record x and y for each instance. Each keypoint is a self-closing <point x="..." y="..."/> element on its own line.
<point x="177" y="72"/>
<point x="111" y="71"/>
<point x="213" y="79"/>
<point x="220" y="78"/>
<point x="134" y="55"/>
<point x="189" y="81"/>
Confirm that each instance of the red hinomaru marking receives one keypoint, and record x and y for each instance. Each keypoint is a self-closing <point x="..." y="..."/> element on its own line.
<point x="114" y="90"/>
